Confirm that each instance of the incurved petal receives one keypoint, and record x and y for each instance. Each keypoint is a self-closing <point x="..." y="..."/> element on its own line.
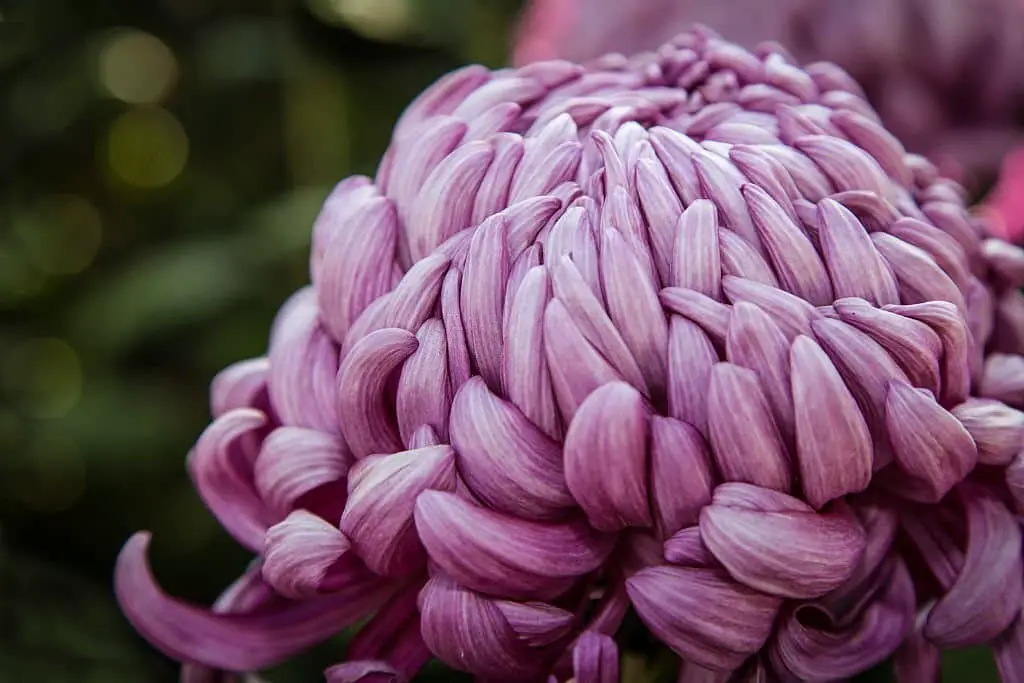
<point x="507" y="462"/>
<point x="595" y="659"/>
<point x="299" y="553"/>
<point x="231" y="642"/>
<point x="378" y="516"/>
<point x="240" y="385"/>
<point x="295" y="461"/>
<point x="221" y="469"/>
<point x="505" y="556"/>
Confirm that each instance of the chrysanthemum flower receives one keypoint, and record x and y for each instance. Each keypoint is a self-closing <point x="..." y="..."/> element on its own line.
<point x="689" y="335"/>
<point x="943" y="75"/>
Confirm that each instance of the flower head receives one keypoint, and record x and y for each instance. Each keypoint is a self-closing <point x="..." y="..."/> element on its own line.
<point x="942" y="75"/>
<point x="689" y="334"/>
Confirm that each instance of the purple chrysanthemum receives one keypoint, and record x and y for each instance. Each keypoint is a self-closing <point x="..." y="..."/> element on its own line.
<point x="689" y="334"/>
<point x="942" y="74"/>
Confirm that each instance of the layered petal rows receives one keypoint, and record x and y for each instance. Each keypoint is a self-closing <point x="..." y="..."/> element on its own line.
<point x="687" y="334"/>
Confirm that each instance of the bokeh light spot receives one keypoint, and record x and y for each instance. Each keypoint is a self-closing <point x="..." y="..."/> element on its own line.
<point x="44" y="376"/>
<point x="19" y="280"/>
<point x="379" y="19"/>
<point x="147" y="147"/>
<point x="137" y="67"/>
<point x="62" y="235"/>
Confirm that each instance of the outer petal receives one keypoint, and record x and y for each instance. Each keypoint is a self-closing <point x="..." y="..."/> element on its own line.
<point x="997" y="429"/>
<point x="505" y="556"/>
<point x="507" y="462"/>
<point x="987" y="594"/>
<point x="393" y="635"/>
<point x="235" y="642"/>
<point x="606" y="458"/>
<point x="294" y="462"/>
<point x="240" y="385"/>
<point x="930" y="444"/>
<point x="595" y="659"/>
<point x="833" y="444"/>
<point x="378" y="516"/>
<point x="365" y="420"/>
<point x="303" y="363"/>
<point x="745" y="439"/>
<point x="705" y="618"/>
<point x="469" y="632"/>
<point x="222" y="472"/>
<point x="300" y="552"/>
<point x="681" y="478"/>
<point x="790" y="554"/>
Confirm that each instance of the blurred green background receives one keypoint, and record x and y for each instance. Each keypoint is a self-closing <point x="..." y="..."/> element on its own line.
<point x="161" y="163"/>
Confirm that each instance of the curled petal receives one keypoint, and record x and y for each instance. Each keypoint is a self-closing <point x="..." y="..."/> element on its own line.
<point x="606" y="465"/>
<point x="740" y="259"/>
<point x="790" y="554"/>
<point x="947" y="322"/>
<point x="833" y="444"/>
<point x="855" y="266"/>
<point x="506" y="461"/>
<point x="1015" y="480"/>
<point x="593" y="321"/>
<point x="997" y="429"/>
<point x="705" y="618"/>
<point x="1003" y="379"/>
<point x="986" y="596"/>
<point x="378" y="516"/>
<point x="241" y="385"/>
<point x="505" y="556"/>
<point x="662" y="208"/>
<point x="929" y="443"/>
<point x="755" y="342"/>
<point x="444" y="204"/>
<point x="697" y="260"/>
<point x="424" y="395"/>
<point x="483" y="297"/>
<point x="1009" y="652"/>
<point x="595" y="659"/>
<point x="303" y="363"/>
<point x="710" y="315"/>
<point x="809" y="654"/>
<point x="415" y="296"/>
<point x="867" y="370"/>
<point x="356" y="268"/>
<point x="686" y="549"/>
<point x="366" y="422"/>
<point x="469" y="632"/>
<point x="576" y="367"/>
<point x="537" y="624"/>
<point x="792" y="314"/>
<point x="911" y="343"/>
<point x="221" y="469"/>
<point x="363" y="671"/>
<point x="634" y="308"/>
<point x="691" y="356"/>
<point x="681" y="478"/>
<point x="745" y="439"/>
<point x="846" y="165"/>
<point x="943" y="248"/>
<point x="919" y="276"/>
<point x="294" y="462"/>
<point x="393" y="636"/>
<point x="300" y="552"/>
<point x="455" y="331"/>
<point x="525" y="373"/>
<point x="796" y="262"/>
<point x="347" y="198"/>
<point x="720" y="182"/>
<point x="233" y="642"/>
<point x="917" y="661"/>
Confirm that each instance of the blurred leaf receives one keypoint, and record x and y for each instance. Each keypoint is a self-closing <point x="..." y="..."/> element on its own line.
<point x="180" y="284"/>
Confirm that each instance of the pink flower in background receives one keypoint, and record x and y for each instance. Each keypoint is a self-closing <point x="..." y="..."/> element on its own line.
<point x="1005" y="204"/>
<point x="688" y="334"/>
<point x="944" y="74"/>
